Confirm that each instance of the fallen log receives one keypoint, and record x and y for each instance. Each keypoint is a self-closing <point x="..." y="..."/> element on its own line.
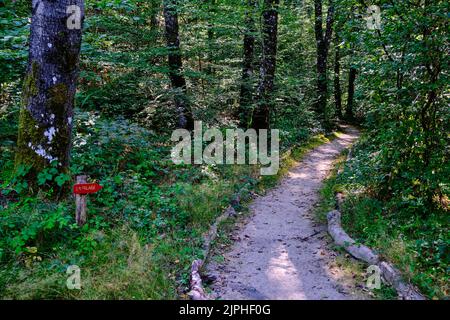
<point x="390" y="274"/>
<point x="341" y="238"/>
<point x="393" y="277"/>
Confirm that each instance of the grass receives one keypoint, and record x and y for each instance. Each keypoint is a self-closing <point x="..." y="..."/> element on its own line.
<point x="119" y="268"/>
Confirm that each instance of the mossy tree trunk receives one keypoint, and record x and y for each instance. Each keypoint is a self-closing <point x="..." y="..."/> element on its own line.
<point x="185" y="118"/>
<point x="261" y="114"/>
<point x="46" y="115"/>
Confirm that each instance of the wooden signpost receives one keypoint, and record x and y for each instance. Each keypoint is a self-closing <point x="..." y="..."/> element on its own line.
<point x="81" y="189"/>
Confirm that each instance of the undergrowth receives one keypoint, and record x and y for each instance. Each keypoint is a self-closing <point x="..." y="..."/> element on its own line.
<point x="416" y="244"/>
<point x="144" y="227"/>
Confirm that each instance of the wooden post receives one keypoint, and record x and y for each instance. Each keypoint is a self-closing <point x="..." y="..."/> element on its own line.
<point x="81" y="203"/>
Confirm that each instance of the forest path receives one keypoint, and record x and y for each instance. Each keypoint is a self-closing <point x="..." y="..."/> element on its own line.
<point x="280" y="252"/>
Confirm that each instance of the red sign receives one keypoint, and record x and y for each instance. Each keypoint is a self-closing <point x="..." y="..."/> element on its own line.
<point x="85" y="188"/>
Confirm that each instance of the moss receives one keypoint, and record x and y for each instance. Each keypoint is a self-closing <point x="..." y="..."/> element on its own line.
<point x="30" y="84"/>
<point x="32" y="128"/>
<point x="29" y="129"/>
<point x="29" y="132"/>
<point x="32" y="131"/>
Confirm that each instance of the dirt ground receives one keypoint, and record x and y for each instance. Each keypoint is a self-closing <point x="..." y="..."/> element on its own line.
<point x="280" y="252"/>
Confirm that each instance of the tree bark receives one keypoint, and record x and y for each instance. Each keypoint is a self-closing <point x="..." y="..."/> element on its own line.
<point x="185" y="119"/>
<point x="46" y="116"/>
<point x="337" y="81"/>
<point x="261" y="115"/>
<point x="246" y="91"/>
<point x="351" y="92"/>
<point x="323" y="43"/>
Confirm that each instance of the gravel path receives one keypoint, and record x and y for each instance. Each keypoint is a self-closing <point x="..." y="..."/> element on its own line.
<point x="280" y="252"/>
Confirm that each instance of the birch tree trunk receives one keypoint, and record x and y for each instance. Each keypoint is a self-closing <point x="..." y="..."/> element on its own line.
<point x="261" y="114"/>
<point x="185" y="119"/>
<point x="46" y="115"/>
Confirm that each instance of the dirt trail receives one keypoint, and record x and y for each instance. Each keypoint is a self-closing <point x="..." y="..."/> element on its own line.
<point x="280" y="252"/>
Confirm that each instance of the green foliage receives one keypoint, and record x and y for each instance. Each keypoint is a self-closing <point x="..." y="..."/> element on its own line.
<point x="144" y="227"/>
<point x="29" y="222"/>
<point x="14" y="26"/>
<point x="17" y="183"/>
<point x="401" y="167"/>
<point x="409" y="233"/>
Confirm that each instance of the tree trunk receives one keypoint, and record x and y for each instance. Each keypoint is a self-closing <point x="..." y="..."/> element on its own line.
<point x="261" y="115"/>
<point x="246" y="92"/>
<point x="46" y="116"/>
<point x="323" y="43"/>
<point x="337" y="81"/>
<point x="351" y="93"/>
<point x="185" y="119"/>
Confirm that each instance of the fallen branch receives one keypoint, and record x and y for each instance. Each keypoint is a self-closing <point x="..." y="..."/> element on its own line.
<point x="342" y="239"/>
<point x="405" y="290"/>
<point x="389" y="274"/>
<point x="310" y="236"/>
<point x="197" y="292"/>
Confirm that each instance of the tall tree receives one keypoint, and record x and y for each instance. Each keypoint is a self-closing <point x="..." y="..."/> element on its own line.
<point x="323" y="43"/>
<point x="46" y="115"/>
<point x="185" y="118"/>
<point x="261" y="114"/>
<point x="337" y="80"/>
<point x="246" y="90"/>
<point x="350" y="93"/>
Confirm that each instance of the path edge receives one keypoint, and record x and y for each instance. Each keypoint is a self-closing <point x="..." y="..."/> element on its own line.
<point x="197" y="291"/>
<point x="390" y="275"/>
